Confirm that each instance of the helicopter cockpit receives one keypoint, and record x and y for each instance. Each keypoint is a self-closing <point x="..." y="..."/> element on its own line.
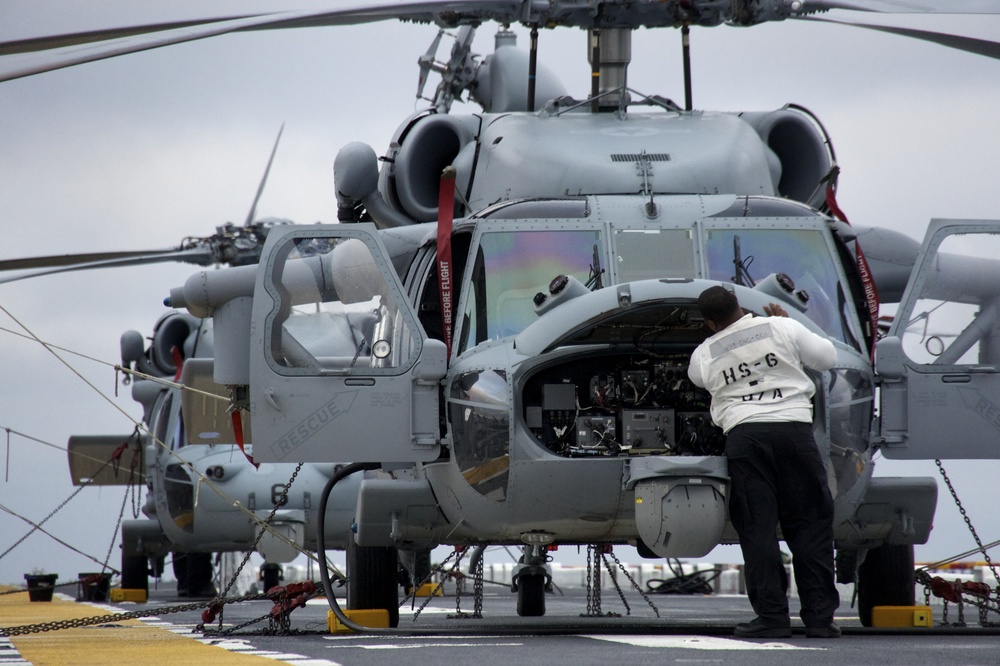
<point x="615" y="382"/>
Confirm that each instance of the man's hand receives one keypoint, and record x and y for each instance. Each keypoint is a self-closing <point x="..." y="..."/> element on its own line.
<point x="775" y="310"/>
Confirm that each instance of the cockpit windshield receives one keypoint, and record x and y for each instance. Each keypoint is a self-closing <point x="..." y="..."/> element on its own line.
<point x="512" y="266"/>
<point x="747" y="256"/>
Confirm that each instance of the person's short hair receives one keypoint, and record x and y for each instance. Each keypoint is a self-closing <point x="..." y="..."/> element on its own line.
<point x="718" y="304"/>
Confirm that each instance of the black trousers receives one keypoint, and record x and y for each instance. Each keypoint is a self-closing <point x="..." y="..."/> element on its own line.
<point x="778" y="478"/>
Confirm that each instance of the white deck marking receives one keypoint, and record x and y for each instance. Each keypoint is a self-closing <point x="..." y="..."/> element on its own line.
<point x="698" y="643"/>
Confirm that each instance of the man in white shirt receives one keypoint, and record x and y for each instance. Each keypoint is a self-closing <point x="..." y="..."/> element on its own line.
<point x="762" y="400"/>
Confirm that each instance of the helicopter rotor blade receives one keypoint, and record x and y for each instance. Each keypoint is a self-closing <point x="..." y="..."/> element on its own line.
<point x="198" y="256"/>
<point x="50" y="42"/>
<point x="58" y="260"/>
<point x="982" y="47"/>
<point x="87" y="47"/>
<point x="905" y="6"/>
<point x="37" y="55"/>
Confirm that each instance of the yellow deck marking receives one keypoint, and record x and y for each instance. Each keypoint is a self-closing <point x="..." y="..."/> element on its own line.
<point x="127" y="642"/>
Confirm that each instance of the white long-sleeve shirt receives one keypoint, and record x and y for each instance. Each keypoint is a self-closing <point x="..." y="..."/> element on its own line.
<point x="754" y="370"/>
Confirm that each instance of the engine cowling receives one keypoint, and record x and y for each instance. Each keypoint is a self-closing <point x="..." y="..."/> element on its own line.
<point x="802" y="150"/>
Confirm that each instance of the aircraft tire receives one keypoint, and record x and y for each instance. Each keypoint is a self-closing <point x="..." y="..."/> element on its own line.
<point x="270" y="575"/>
<point x="372" y="579"/>
<point x="135" y="572"/>
<point x="885" y="578"/>
<point x="531" y="595"/>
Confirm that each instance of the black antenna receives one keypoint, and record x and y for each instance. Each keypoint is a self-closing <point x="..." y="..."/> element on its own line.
<point x="532" y="67"/>
<point x="686" y="51"/>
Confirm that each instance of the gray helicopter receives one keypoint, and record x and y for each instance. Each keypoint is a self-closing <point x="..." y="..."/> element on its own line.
<point x="547" y="353"/>
<point x="203" y="497"/>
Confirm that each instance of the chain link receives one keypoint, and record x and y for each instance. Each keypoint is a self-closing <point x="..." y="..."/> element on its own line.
<point x="982" y="604"/>
<point x="614" y="581"/>
<point x="282" y="499"/>
<point x="598" y="581"/>
<point x="440" y="584"/>
<point x="477" y="588"/>
<point x="634" y="584"/>
<point x="119" y="617"/>
<point x="456" y="573"/>
<point x="593" y="581"/>
<point x="38" y="525"/>
<point x="968" y="521"/>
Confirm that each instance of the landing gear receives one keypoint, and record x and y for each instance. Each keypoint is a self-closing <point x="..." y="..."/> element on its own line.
<point x="143" y="550"/>
<point x="372" y="579"/>
<point x="531" y="595"/>
<point x="415" y="569"/>
<point x="530" y="578"/>
<point x="135" y="572"/>
<point x="193" y="572"/>
<point x="885" y="578"/>
<point x="270" y="575"/>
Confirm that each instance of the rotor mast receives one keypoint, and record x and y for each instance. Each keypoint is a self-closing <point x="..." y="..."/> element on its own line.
<point x="609" y="55"/>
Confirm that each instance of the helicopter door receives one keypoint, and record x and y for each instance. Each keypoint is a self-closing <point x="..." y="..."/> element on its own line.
<point x="940" y="363"/>
<point x="343" y="371"/>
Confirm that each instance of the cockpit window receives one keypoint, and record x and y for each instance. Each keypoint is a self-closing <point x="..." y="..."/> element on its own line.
<point x="749" y="256"/>
<point x="511" y="267"/>
<point x="951" y="316"/>
<point x="653" y="254"/>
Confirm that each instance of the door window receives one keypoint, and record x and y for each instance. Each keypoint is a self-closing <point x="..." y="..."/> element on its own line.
<point x="334" y="311"/>
<point x="953" y="318"/>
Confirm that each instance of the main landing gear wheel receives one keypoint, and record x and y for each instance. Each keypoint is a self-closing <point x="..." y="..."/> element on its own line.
<point x="885" y="578"/>
<point x="270" y="576"/>
<point x="135" y="572"/>
<point x="531" y="595"/>
<point x="372" y="579"/>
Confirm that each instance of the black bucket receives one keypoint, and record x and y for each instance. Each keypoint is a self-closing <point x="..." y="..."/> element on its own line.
<point x="41" y="586"/>
<point x="93" y="587"/>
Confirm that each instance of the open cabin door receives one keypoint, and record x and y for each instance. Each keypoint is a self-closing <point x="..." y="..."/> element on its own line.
<point x="341" y="371"/>
<point x="940" y="363"/>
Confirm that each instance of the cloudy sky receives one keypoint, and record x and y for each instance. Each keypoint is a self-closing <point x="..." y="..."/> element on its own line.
<point x="142" y="151"/>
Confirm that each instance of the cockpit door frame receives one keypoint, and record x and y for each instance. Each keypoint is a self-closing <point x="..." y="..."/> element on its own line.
<point x="359" y="412"/>
<point x="941" y="408"/>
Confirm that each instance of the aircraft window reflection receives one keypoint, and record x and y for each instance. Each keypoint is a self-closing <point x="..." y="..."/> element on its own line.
<point x="162" y="419"/>
<point x="177" y="438"/>
<point x="955" y="316"/>
<point x="511" y="267"/>
<point x="745" y="255"/>
<point x="480" y="419"/>
<point x="336" y="310"/>
<point x="850" y="397"/>
<point x="652" y="254"/>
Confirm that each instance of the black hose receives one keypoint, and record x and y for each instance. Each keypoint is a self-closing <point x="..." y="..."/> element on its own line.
<point x="324" y="572"/>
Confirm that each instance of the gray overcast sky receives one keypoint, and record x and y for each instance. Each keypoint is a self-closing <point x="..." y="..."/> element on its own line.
<point x="141" y="151"/>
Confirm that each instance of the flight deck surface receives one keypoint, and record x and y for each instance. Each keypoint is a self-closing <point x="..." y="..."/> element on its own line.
<point x="691" y="629"/>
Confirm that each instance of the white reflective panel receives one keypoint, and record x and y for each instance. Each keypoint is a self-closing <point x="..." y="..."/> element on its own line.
<point x="653" y="254"/>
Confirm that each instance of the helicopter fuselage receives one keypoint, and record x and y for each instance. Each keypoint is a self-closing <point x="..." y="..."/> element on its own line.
<point x="568" y="416"/>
